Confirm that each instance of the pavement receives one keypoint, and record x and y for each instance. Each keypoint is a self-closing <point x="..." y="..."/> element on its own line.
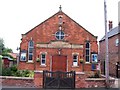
<point x="117" y="83"/>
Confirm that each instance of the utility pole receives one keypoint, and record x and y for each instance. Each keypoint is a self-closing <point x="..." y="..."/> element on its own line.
<point x="106" y="44"/>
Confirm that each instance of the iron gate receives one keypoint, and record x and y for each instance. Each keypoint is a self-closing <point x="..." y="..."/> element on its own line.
<point x="118" y="70"/>
<point x="59" y="79"/>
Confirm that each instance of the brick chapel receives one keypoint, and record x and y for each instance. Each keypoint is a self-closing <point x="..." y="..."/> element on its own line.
<point x="58" y="44"/>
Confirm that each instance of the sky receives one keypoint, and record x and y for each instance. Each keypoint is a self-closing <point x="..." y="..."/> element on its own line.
<point x="19" y="16"/>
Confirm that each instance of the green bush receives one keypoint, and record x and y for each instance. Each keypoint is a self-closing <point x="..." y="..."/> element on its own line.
<point x="13" y="71"/>
<point x="14" y="68"/>
<point x="6" y="72"/>
<point x="18" y="73"/>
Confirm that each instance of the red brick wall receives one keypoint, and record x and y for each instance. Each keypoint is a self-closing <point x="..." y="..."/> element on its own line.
<point x="17" y="81"/>
<point x="26" y="65"/>
<point x="23" y="82"/>
<point x="44" y="33"/>
<point x="113" y="54"/>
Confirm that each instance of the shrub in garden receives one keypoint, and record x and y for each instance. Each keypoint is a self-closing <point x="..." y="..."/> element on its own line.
<point x="6" y="72"/>
<point x="13" y="71"/>
<point x="14" y="68"/>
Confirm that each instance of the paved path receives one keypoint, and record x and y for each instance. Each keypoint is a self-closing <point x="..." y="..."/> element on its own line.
<point x="117" y="83"/>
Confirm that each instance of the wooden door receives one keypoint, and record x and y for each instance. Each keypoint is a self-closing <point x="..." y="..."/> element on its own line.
<point x="59" y="63"/>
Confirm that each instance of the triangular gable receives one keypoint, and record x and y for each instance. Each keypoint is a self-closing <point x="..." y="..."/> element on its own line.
<point x="66" y="16"/>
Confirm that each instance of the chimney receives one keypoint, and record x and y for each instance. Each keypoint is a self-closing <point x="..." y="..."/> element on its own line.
<point x="110" y="25"/>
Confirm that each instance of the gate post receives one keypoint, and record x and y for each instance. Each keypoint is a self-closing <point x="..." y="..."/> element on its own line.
<point x="38" y="78"/>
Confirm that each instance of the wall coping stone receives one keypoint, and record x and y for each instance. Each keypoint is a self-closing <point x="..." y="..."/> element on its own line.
<point x="37" y="71"/>
<point x="80" y="73"/>
<point x="97" y="79"/>
<point x="12" y="77"/>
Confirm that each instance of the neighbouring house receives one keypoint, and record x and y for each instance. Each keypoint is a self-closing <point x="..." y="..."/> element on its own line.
<point x="58" y="44"/>
<point x="9" y="59"/>
<point x="114" y="49"/>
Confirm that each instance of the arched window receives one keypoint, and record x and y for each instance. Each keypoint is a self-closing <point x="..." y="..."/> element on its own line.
<point x="87" y="52"/>
<point x="30" y="51"/>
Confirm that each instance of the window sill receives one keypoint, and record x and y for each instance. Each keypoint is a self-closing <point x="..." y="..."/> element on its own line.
<point x="87" y="63"/>
<point x="42" y="65"/>
<point x="75" y="66"/>
<point x="30" y="62"/>
<point x="94" y="62"/>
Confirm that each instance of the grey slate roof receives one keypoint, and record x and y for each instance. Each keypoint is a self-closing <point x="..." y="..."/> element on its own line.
<point x="112" y="32"/>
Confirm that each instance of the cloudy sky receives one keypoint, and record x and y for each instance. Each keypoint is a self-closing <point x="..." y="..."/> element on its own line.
<point x="19" y="16"/>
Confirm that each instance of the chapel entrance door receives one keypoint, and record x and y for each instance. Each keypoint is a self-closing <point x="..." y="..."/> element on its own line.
<point x="59" y="63"/>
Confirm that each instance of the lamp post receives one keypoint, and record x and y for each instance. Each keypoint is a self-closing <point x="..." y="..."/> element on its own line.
<point x="106" y="44"/>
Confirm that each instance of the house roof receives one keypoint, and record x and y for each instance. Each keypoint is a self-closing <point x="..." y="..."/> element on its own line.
<point x="14" y="55"/>
<point x="112" y="32"/>
<point x="10" y="59"/>
<point x="53" y="16"/>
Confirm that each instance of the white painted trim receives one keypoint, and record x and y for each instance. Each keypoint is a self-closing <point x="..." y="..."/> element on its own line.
<point x="80" y="72"/>
<point x="12" y="77"/>
<point x="30" y="61"/>
<point x="38" y="71"/>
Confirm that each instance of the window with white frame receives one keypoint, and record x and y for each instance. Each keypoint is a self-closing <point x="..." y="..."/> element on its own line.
<point x="43" y="59"/>
<point x="30" y="51"/>
<point x="87" y="52"/>
<point x="94" y="58"/>
<point x="117" y="42"/>
<point x="75" y="60"/>
<point x="60" y="35"/>
<point x="23" y="56"/>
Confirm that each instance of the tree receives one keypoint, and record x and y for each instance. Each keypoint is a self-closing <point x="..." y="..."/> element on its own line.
<point x="7" y="50"/>
<point x="2" y="47"/>
<point x="4" y="50"/>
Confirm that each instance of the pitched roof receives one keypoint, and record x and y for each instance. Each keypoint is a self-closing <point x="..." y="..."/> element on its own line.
<point x="53" y="16"/>
<point x="112" y="32"/>
<point x="14" y="55"/>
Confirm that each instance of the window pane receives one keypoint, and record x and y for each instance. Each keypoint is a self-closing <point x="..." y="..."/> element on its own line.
<point x="62" y="37"/>
<point x="30" y="57"/>
<point x="62" y="33"/>
<point x="43" y="55"/>
<point x="75" y="64"/>
<point x="75" y="57"/>
<point x="87" y="45"/>
<point x="30" y="50"/>
<point x="94" y="57"/>
<point x="43" y="61"/>
<point x="87" y="58"/>
<point x="87" y="52"/>
<point x="74" y="60"/>
<point x="23" y="57"/>
<point x="31" y="43"/>
<point x="43" y="58"/>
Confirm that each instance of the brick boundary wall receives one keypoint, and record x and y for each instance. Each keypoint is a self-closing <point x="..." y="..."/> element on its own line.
<point x="17" y="81"/>
<point x="81" y="81"/>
